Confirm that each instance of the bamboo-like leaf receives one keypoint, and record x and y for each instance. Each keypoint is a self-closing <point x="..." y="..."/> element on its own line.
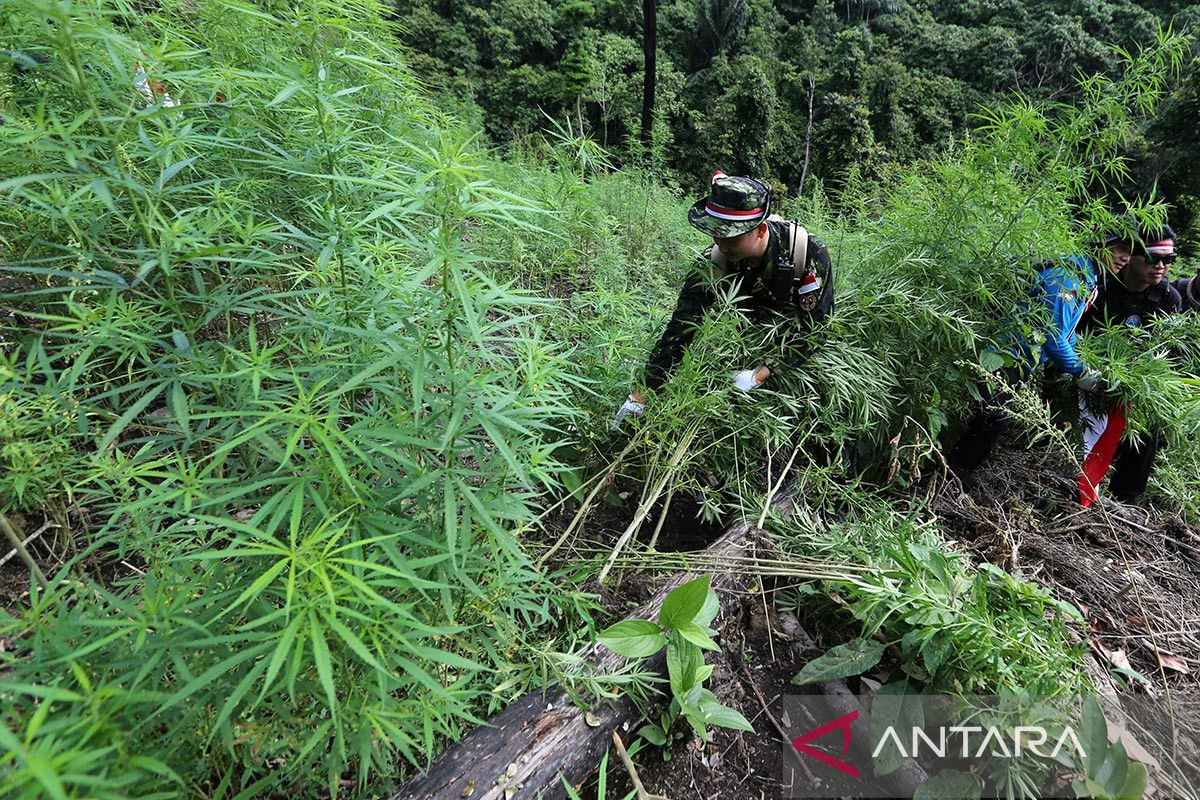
<point x="352" y="641"/>
<point x="237" y="695"/>
<point x="209" y="676"/>
<point x="179" y="407"/>
<point x="324" y="663"/>
<point x="135" y="408"/>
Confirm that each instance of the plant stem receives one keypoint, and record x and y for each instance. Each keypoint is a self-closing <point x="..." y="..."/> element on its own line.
<point x="15" y="538"/>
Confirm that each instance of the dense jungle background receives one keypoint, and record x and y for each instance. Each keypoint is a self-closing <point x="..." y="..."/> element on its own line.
<point x="315" y="317"/>
<point x="793" y="91"/>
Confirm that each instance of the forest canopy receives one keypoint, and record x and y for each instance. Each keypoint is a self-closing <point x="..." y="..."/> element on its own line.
<point x="795" y="90"/>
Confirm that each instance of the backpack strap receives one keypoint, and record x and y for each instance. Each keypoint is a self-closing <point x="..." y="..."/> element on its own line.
<point x="798" y="247"/>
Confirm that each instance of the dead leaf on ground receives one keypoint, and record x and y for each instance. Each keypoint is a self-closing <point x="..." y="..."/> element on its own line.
<point x="1117" y="657"/>
<point x="1171" y="661"/>
<point x="1135" y="750"/>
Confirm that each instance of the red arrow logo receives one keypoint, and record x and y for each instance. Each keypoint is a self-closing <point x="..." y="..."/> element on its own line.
<point x="841" y="723"/>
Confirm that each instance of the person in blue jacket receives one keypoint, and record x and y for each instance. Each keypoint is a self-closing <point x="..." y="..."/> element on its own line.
<point x="1063" y="290"/>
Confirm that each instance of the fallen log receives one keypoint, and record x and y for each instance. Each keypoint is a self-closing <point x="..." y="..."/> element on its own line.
<point x="527" y="750"/>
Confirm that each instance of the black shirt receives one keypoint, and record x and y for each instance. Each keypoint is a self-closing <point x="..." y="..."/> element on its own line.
<point x="759" y="290"/>
<point x="1117" y="305"/>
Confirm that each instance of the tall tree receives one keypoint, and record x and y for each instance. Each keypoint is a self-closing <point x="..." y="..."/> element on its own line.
<point x="649" y="49"/>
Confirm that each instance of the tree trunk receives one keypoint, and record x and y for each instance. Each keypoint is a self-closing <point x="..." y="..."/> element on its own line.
<point x="812" y="88"/>
<point x="649" y="51"/>
<point x="526" y="751"/>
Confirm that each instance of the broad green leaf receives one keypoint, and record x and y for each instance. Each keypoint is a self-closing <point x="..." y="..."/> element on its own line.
<point x="1135" y="784"/>
<point x="852" y="658"/>
<point x="697" y="636"/>
<point x="991" y="361"/>
<point x="725" y="717"/>
<point x="1069" y="609"/>
<point x="1117" y="764"/>
<point x="1093" y="735"/>
<point x="896" y="705"/>
<point x="708" y="612"/>
<point x="684" y="603"/>
<point x="652" y="734"/>
<point x="684" y="661"/>
<point x="633" y="638"/>
<point x="695" y="718"/>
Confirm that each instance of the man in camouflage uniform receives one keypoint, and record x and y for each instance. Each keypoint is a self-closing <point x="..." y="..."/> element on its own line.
<point x="772" y="265"/>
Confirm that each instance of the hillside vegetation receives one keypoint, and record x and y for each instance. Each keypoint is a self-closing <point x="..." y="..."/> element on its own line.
<point x="797" y="91"/>
<point x="294" y="370"/>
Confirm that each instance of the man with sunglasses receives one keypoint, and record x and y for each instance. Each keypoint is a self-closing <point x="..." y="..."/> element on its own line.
<point x="1134" y="296"/>
<point x="772" y="264"/>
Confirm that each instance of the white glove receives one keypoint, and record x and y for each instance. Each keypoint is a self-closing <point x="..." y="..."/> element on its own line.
<point x="1089" y="380"/>
<point x="745" y="380"/>
<point x="630" y="408"/>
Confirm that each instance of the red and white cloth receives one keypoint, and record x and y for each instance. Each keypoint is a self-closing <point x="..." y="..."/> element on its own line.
<point x="151" y="88"/>
<point x="1101" y="435"/>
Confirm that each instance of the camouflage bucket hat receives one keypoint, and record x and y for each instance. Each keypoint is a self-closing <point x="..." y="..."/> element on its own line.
<point x="734" y="206"/>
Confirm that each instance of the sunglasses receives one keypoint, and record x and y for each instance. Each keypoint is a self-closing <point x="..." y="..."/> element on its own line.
<point x="1153" y="258"/>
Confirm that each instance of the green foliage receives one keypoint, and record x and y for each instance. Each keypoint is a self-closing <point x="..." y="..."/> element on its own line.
<point x="956" y="628"/>
<point x="37" y="462"/>
<point x="307" y="360"/>
<point x="682" y="627"/>
<point x="965" y="629"/>
<point x="887" y="82"/>
<point x="251" y="335"/>
<point x="1153" y="372"/>
<point x="852" y="658"/>
<point x="1106" y="771"/>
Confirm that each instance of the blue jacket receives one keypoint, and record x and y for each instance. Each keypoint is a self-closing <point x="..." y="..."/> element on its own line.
<point x="1066" y="289"/>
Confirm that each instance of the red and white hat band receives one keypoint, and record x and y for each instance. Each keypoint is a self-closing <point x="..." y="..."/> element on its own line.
<point x="1161" y="248"/>
<point x="721" y="212"/>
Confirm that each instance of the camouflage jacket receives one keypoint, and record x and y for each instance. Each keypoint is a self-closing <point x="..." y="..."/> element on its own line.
<point x="768" y="289"/>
